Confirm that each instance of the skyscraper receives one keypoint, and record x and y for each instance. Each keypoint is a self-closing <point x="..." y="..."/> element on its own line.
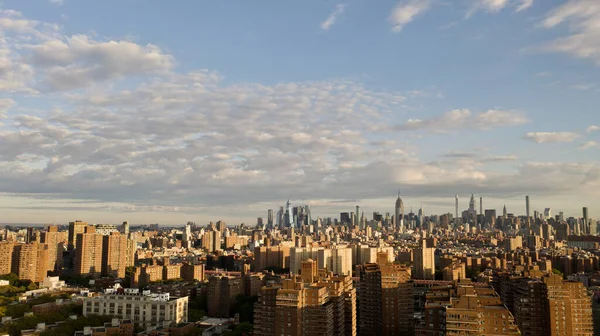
<point x="399" y="218"/>
<point x="527" y="206"/>
<point x="289" y="214"/>
<point x="30" y="261"/>
<point x="586" y="220"/>
<point x="307" y="214"/>
<point x="88" y="252"/>
<point x="54" y="240"/>
<point x="187" y="236"/>
<point x="472" y="204"/>
<point x="385" y="300"/>
<point x="114" y="255"/>
<point x="280" y="218"/>
<point x="125" y="228"/>
<point x="481" y="208"/>
<point x="456" y="207"/>
<point x="75" y="228"/>
<point x="6" y="252"/>
<point x="270" y="218"/>
<point x="357" y="216"/>
<point x="424" y="262"/>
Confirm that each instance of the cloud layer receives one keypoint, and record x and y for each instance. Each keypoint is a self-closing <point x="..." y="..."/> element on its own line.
<point x="87" y="118"/>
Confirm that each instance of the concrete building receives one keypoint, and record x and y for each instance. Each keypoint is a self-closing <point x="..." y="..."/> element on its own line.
<point x="547" y="305"/>
<point x="222" y="293"/>
<point x="424" y="262"/>
<point x="316" y="303"/>
<point x="271" y="256"/>
<point x="385" y="300"/>
<point x="191" y="272"/>
<point x="114" y="255"/>
<point x="465" y="308"/>
<point x="30" y="261"/>
<point x="75" y="228"/>
<point x="6" y="252"/>
<point x="56" y="245"/>
<point x="88" y="253"/>
<point x="114" y="327"/>
<point x="145" y="308"/>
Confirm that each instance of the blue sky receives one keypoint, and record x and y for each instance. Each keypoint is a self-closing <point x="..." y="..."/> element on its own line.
<point x="205" y="110"/>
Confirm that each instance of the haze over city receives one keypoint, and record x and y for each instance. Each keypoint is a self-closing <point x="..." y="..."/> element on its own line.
<point x="204" y="110"/>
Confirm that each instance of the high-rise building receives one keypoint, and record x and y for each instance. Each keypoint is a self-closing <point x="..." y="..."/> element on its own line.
<point x="456" y="207"/>
<point x="527" y="208"/>
<point x="6" y="253"/>
<point x="399" y="214"/>
<point x="88" y="253"/>
<point x="569" y="307"/>
<point x="548" y="305"/>
<point x="125" y="228"/>
<point x="481" y="207"/>
<point x="30" y="261"/>
<point x="586" y="223"/>
<point x="222" y="293"/>
<point x="385" y="300"/>
<point x="548" y="213"/>
<point x="270" y="219"/>
<point x="424" y="262"/>
<point x="307" y="215"/>
<point x="187" y="236"/>
<point x="289" y="215"/>
<point x="192" y="272"/>
<point x="114" y="255"/>
<point x="54" y="239"/>
<point x="75" y="228"/>
<point x="478" y="311"/>
<point x="316" y="303"/>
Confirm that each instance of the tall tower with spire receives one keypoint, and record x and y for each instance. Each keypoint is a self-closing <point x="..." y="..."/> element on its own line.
<point x="472" y="204"/>
<point x="289" y="214"/>
<point x="504" y="212"/>
<point x="399" y="218"/>
<point x="456" y="207"/>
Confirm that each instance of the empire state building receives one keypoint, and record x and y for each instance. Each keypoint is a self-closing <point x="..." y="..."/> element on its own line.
<point x="399" y="218"/>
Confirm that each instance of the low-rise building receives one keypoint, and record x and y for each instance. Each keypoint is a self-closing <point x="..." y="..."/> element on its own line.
<point x="142" y="307"/>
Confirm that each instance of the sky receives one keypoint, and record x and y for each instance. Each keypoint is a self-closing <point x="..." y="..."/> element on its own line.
<point x="174" y="111"/>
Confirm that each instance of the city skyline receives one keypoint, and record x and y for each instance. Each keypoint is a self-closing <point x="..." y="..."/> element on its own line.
<point x="335" y="105"/>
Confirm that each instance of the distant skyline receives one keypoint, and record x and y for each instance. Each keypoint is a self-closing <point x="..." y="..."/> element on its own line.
<point x="198" y="111"/>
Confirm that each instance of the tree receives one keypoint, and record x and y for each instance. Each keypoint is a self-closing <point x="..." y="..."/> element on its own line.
<point x="556" y="271"/>
<point x="241" y="329"/>
<point x="195" y="315"/>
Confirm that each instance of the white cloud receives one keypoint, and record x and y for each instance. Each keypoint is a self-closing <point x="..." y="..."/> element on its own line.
<point x="36" y="56"/>
<point x="5" y="105"/>
<point x="495" y="6"/>
<point x="406" y="11"/>
<point x="57" y="2"/>
<point x="78" y="61"/>
<point x="492" y="6"/>
<point x="589" y="144"/>
<point x="525" y="4"/>
<point x="582" y="18"/>
<point x="464" y="119"/>
<point x="551" y="137"/>
<point x="592" y="128"/>
<point x="331" y="20"/>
